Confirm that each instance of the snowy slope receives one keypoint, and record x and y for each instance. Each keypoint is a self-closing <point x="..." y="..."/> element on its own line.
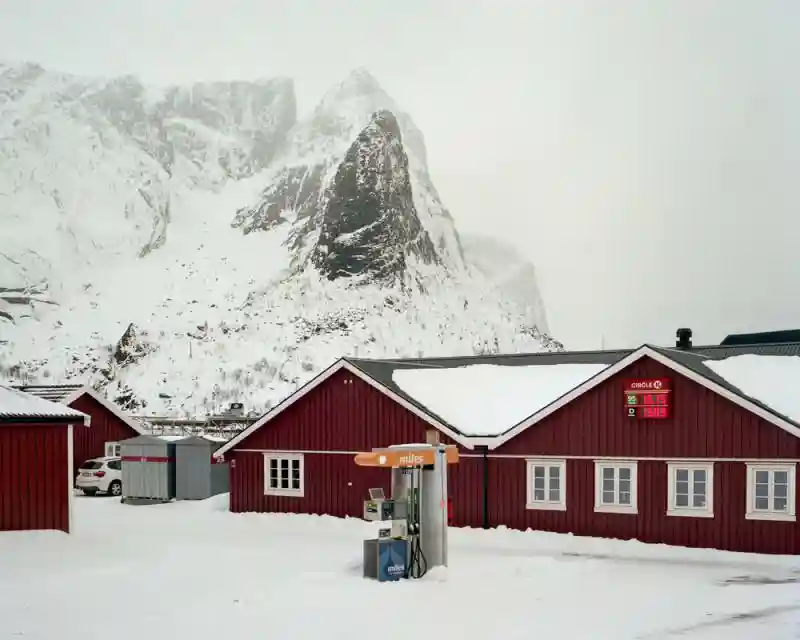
<point x="89" y="168"/>
<point x="266" y="248"/>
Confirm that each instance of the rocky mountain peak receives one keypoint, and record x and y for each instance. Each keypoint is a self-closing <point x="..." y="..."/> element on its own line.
<point x="370" y="226"/>
<point x="123" y="188"/>
<point x="359" y="83"/>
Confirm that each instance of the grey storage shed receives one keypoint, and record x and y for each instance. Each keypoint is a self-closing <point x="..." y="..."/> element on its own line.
<point x="148" y="468"/>
<point x="198" y="475"/>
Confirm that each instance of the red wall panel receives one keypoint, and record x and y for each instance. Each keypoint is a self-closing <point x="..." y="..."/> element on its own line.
<point x="34" y="467"/>
<point x="728" y="529"/>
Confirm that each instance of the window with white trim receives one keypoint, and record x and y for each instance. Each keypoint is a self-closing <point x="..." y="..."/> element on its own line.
<point x="283" y="475"/>
<point x="691" y="489"/>
<point x="113" y="449"/>
<point x="770" y="491"/>
<point x="547" y="484"/>
<point x="615" y="486"/>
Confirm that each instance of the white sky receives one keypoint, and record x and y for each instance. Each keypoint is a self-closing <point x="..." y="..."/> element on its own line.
<point x="643" y="154"/>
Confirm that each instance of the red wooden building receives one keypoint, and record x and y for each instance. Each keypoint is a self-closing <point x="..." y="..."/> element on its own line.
<point x="298" y="458"/>
<point x="718" y="471"/>
<point x="110" y="424"/>
<point x="36" y="439"/>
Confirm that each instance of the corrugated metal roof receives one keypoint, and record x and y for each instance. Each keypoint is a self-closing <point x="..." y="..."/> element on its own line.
<point x="381" y="370"/>
<point x="52" y="392"/>
<point x="762" y="337"/>
<point x="16" y="405"/>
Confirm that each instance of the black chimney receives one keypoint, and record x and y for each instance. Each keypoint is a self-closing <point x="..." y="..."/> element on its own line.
<point x="684" y="340"/>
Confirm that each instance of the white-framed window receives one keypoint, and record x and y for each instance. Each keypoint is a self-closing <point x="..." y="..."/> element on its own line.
<point x="283" y="474"/>
<point x="113" y="449"/>
<point x="547" y="484"/>
<point x="691" y="489"/>
<point x="770" y="491"/>
<point x="615" y="486"/>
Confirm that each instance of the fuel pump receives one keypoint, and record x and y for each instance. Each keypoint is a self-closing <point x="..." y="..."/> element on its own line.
<point x="416" y="538"/>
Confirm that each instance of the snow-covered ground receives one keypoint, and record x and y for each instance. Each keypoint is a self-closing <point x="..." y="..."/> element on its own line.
<point x="193" y="570"/>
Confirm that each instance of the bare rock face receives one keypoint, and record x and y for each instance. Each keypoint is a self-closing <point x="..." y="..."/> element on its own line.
<point x="130" y="348"/>
<point x="370" y="225"/>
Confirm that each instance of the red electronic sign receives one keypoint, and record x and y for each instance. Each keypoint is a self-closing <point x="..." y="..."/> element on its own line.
<point x="647" y="398"/>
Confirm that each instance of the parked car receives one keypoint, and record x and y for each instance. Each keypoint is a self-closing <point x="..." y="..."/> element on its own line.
<point x="102" y="475"/>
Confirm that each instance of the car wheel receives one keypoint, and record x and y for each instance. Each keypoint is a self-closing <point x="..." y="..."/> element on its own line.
<point x="115" y="488"/>
<point x="90" y="492"/>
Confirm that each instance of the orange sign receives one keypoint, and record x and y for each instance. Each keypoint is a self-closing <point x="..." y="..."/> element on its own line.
<point x="404" y="457"/>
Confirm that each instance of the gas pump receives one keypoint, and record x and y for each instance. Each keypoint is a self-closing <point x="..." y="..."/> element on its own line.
<point x="417" y="512"/>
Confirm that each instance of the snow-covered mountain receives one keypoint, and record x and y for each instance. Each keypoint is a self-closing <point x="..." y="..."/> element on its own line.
<point x="191" y="246"/>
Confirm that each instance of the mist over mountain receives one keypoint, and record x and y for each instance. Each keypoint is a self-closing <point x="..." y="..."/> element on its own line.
<point x="185" y="247"/>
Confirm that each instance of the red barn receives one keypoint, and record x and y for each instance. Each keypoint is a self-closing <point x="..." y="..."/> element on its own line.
<point x="36" y="439"/>
<point x="110" y="424"/>
<point x="547" y="443"/>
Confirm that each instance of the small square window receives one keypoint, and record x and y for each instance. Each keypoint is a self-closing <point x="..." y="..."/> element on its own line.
<point x="691" y="489"/>
<point x="547" y="485"/>
<point x="770" y="491"/>
<point x="615" y="486"/>
<point x="283" y="475"/>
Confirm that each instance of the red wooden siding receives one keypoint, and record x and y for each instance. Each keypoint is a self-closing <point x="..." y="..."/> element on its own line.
<point x="343" y="414"/>
<point x="106" y="427"/>
<point x="33" y="477"/>
<point x="704" y="424"/>
<point x="728" y="529"/>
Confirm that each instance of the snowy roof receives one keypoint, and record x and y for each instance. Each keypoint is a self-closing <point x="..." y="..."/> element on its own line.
<point x="52" y="392"/>
<point x="771" y="380"/>
<point x="434" y="388"/>
<point x="487" y="400"/>
<point x="68" y="393"/>
<point x="16" y="405"/>
<point x="383" y="371"/>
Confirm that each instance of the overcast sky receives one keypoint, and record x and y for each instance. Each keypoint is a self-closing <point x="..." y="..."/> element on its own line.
<point x="643" y="154"/>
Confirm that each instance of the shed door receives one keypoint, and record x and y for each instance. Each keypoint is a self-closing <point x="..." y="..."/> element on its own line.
<point x="132" y="473"/>
<point x="193" y="472"/>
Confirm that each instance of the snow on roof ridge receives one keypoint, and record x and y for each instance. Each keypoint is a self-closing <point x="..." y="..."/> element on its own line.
<point x="772" y="380"/>
<point x="486" y="400"/>
<point x="18" y="404"/>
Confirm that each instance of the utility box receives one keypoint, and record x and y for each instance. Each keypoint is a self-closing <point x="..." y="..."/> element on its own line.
<point x="148" y="469"/>
<point x="385" y="559"/>
<point x="198" y="475"/>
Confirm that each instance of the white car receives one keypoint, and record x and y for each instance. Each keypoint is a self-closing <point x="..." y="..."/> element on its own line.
<point x="100" y="475"/>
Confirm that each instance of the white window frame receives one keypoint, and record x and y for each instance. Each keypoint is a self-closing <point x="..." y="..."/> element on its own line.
<point x="286" y="492"/>
<point x="599" y="505"/>
<point x="115" y="452"/>
<point x="689" y="511"/>
<point x="790" y="515"/>
<point x="546" y="505"/>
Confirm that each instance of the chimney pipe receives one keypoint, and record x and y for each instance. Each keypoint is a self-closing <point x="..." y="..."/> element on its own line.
<point x="684" y="338"/>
